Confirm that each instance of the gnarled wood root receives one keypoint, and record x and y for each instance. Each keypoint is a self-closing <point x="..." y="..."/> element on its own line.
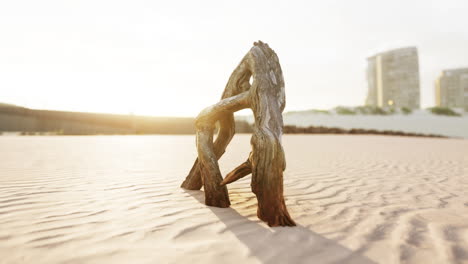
<point x="266" y="162"/>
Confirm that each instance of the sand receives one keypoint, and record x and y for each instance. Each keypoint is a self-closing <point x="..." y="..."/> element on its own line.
<point x="116" y="199"/>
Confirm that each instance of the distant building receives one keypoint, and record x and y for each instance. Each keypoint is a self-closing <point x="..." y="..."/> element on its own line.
<point x="451" y="89"/>
<point x="393" y="79"/>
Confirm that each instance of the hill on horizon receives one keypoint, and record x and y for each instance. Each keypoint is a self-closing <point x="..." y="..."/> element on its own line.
<point x="20" y="119"/>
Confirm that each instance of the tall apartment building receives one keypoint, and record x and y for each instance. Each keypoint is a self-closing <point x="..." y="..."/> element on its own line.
<point x="451" y="88"/>
<point x="393" y="79"/>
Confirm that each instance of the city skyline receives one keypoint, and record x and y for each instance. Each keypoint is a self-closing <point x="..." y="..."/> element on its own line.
<point x="393" y="79"/>
<point x="172" y="59"/>
<point x="451" y="88"/>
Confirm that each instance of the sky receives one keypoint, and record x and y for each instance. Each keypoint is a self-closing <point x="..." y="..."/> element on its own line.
<point x="173" y="58"/>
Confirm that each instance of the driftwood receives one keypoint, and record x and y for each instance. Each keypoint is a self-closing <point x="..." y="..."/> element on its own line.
<point x="266" y="97"/>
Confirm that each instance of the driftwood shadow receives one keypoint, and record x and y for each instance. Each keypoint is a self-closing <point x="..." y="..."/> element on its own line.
<point x="282" y="244"/>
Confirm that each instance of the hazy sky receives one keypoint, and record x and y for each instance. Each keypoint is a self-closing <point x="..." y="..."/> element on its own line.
<point x="175" y="57"/>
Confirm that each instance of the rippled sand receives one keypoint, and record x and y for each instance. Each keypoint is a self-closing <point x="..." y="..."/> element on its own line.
<point x="116" y="199"/>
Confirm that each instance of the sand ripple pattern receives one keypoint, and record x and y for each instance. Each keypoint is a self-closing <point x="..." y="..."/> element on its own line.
<point x="116" y="199"/>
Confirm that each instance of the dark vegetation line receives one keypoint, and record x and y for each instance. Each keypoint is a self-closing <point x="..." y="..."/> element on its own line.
<point x="354" y="131"/>
<point x="375" y="110"/>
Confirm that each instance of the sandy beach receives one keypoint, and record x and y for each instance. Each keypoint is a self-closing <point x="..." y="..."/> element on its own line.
<point x="116" y="199"/>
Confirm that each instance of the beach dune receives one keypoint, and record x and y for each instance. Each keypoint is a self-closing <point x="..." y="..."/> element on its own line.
<point x="116" y="199"/>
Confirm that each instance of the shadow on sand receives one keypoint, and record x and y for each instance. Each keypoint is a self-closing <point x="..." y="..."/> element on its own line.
<point x="282" y="244"/>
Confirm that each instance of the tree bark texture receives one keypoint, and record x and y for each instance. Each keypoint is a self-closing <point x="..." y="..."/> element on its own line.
<point x="266" y="97"/>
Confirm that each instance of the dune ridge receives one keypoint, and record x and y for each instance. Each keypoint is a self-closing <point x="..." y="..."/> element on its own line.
<point x="116" y="199"/>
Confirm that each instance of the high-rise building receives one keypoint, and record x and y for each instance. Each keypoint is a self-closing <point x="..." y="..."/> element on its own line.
<point x="393" y="79"/>
<point x="451" y="89"/>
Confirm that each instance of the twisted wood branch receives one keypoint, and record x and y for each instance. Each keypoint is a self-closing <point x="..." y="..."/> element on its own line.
<point x="266" y="162"/>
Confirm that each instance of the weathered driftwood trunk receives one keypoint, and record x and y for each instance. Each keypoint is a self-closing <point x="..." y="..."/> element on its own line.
<point x="266" y="162"/>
